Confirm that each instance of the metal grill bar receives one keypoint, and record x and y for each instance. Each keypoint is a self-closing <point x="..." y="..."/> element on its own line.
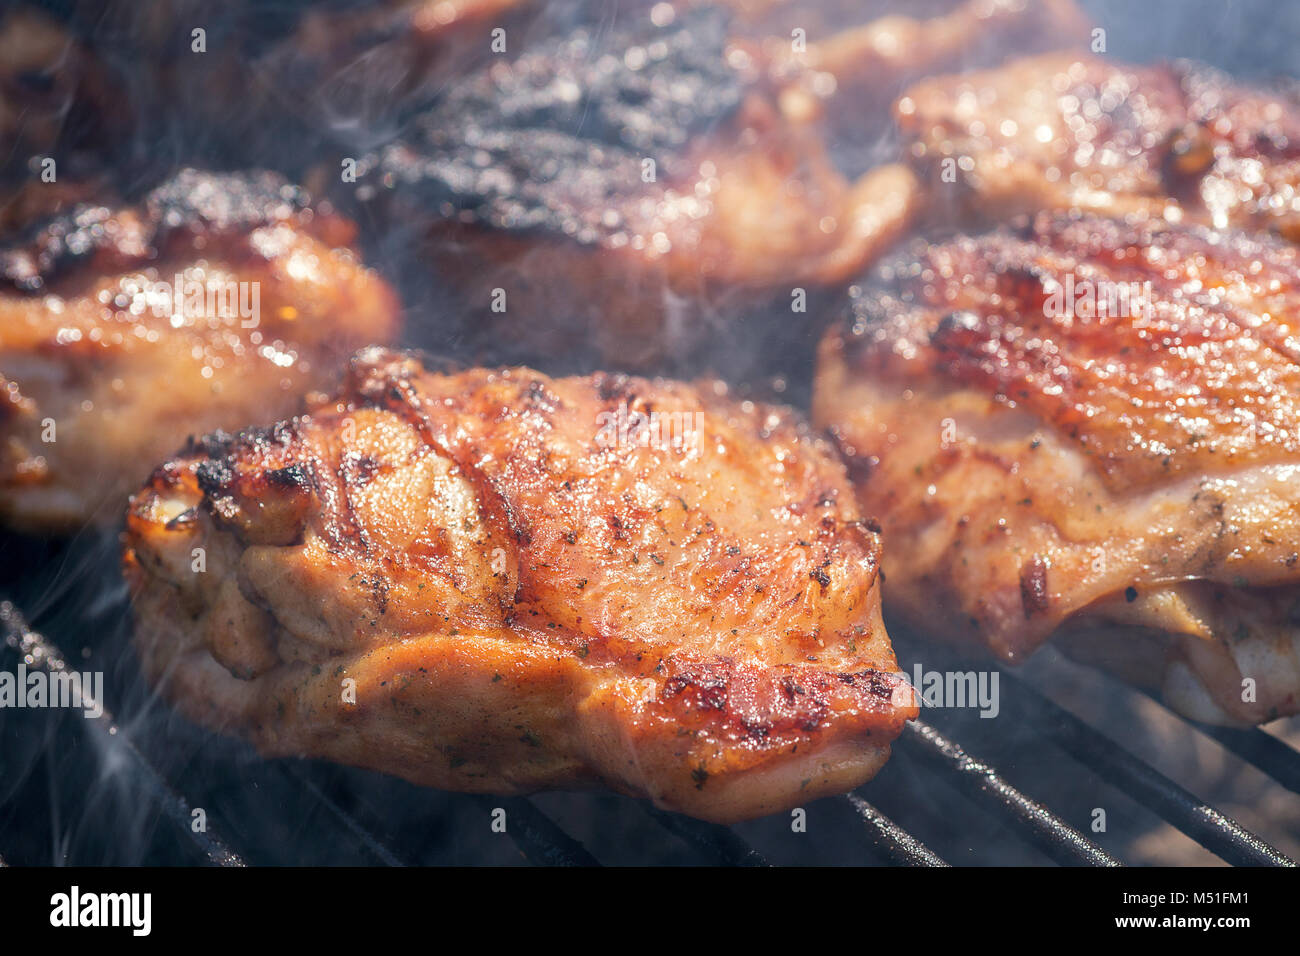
<point x="539" y="838"/>
<point x="113" y="739"/>
<point x="348" y="821"/>
<point x="1218" y="833"/>
<point x="1260" y="750"/>
<point x="542" y="841"/>
<point x="722" y="845"/>
<point x="890" y="839"/>
<point x="980" y="781"/>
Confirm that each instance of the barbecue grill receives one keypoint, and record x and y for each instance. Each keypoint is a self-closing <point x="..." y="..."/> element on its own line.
<point x="139" y="785"/>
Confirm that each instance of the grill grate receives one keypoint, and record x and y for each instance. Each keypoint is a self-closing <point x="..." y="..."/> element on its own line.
<point x="895" y="843"/>
<point x="719" y="844"/>
<point x="1213" y="830"/>
<point x="1047" y="831"/>
<point x="541" y="840"/>
<point x="116" y="745"/>
<point x="1262" y="751"/>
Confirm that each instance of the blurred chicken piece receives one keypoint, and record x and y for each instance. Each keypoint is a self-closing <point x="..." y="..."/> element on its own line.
<point x="630" y="188"/>
<point x="527" y="585"/>
<point x="1063" y="131"/>
<point x="639" y="186"/>
<point x="359" y="70"/>
<point x="216" y="301"/>
<point x="53" y="92"/>
<point x="356" y="71"/>
<point x="850" y="66"/>
<point x="1121" y="470"/>
<point x="28" y="200"/>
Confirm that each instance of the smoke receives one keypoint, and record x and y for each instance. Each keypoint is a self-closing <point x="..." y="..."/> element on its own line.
<point x="302" y="90"/>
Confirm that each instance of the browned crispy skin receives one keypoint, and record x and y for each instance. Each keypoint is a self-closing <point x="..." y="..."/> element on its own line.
<point x="99" y="383"/>
<point x="1128" y="479"/>
<point x="1064" y="131"/>
<point x="521" y="602"/>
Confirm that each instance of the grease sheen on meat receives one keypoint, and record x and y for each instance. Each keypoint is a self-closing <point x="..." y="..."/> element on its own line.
<point x="524" y="592"/>
<point x="1127" y="480"/>
<point x="102" y="376"/>
<point x="1062" y="131"/>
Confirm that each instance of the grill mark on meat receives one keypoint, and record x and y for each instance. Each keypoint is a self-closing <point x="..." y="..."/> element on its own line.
<point x="795" y="702"/>
<point x="215" y="478"/>
<point x="297" y="477"/>
<point x="611" y="387"/>
<point x="1033" y="586"/>
<point x="349" y="481"/>
<point x="627" y="615"/>
<point x="1149" y="397"/>
<point x="389" y="386"/>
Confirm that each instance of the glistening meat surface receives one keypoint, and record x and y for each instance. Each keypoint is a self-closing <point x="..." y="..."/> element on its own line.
<point x="525" y="588"/>
<point x="1121" y="470"/>
<point x="1063" y="131"/>
<point x="215" y="300"/>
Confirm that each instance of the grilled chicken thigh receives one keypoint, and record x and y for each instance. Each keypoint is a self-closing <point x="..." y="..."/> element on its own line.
<point x="216" y="301"/>
<point x="858" y="57"/>
<point x="499" y="581"/>
<point x="1062" y="131"/>
<point x="639" y="162"/>
<point x="671" y="161"/>
<point x="632" y="185"/>
<point x="1088" y="428"/>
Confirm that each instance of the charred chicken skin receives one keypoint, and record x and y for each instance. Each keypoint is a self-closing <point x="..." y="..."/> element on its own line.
<point x="659" y="176"/>
<point x="1061" y="131"/>
<point x="498" y="581"/>
<point x="215" y="301"/>
<point x="672" y="161"/>
<point x="1088" y="428"/>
